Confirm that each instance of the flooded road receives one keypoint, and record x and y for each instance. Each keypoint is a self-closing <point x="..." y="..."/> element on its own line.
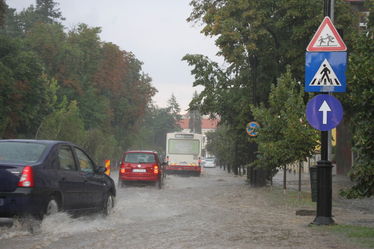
<point x="216" y="210"/>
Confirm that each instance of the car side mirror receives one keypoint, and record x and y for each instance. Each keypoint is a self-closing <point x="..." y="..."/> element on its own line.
<point x="101" y="170"/>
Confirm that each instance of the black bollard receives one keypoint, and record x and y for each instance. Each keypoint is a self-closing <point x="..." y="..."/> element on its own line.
<point x="324" y="193"/>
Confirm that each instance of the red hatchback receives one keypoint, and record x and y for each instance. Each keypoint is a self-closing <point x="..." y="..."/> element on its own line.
<point x="141" y="166"/>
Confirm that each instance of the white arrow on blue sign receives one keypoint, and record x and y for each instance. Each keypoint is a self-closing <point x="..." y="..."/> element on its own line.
<point x="324" y="112"/>
<point x="325" y="71"/>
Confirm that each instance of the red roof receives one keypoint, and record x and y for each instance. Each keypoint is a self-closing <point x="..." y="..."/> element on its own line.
<point x="183" y="123"/>
<point x="205" y="123"/>
<point x="209" y="123"/>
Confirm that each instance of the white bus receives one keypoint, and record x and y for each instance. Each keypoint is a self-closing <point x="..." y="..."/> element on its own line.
<point x="183" y="153"/>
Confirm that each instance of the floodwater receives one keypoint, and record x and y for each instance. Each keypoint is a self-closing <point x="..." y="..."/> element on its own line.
<point x="216" y="210"/>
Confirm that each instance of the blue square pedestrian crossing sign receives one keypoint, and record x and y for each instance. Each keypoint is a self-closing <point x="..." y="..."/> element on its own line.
<point x="325" y="71"/>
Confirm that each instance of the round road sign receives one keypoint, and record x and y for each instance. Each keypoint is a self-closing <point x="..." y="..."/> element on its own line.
<point x="324" y="112"/>
<point x="251" y="128"/>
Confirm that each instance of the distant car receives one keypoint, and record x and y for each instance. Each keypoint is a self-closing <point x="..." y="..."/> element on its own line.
<point x="209" y="162"/>
<point x="39" y="177"/>
<point x="141" y="166"/>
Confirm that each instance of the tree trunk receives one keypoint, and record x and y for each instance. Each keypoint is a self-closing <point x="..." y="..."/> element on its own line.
<point x="284" y="178"/>
<point x="343" y="154"/>
<point x="300" y="167"/>
<point x="249" y="172"/>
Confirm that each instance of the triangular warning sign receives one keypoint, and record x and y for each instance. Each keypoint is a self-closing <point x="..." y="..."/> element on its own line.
<point x="326" y="38"/>
<point x="325" y="76"/>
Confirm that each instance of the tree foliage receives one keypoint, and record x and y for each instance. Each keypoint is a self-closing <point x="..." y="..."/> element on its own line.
<point x="68" y="84"/>
<point x="25" y="95"/>
<point x="63" y="124"/>
<point x="359" y="105"/>
<point x="284" y="136"/>
<point x="173" y="108"/>
<point x="2" y="12"/>
<point x="194" y="123"/>
<point x="219" y="143"/>
<point x="257" y="40"/>
<point x="157" y="123"/>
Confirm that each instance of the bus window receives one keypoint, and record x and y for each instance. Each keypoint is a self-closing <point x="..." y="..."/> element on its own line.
<point x="177" y="146"/>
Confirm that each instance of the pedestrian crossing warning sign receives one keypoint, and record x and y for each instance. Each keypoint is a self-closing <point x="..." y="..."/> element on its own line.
<point x="326" y="38"/>
<point x="325" y="71"/>
<point x="325" y="76"/>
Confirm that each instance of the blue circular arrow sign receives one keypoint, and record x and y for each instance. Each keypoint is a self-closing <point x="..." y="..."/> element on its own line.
<point x="251" y="128"/>
<point x="324" y="112"/>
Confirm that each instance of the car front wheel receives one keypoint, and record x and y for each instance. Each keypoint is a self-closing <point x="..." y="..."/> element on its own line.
<point x="108" y="204"/>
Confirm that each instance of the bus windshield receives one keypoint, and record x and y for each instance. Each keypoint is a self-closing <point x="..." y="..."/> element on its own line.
<point x="185" y="146"/>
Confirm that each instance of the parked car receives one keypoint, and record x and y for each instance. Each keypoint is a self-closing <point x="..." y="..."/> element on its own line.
<point x="39" y="177"/>
<point x="141" y="166"/>
<point x="209" y="162"/>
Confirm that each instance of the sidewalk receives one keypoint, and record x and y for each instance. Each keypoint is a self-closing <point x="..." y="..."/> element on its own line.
<point x="365" y="205"/>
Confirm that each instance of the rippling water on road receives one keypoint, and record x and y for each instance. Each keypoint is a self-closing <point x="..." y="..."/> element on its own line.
<point x="216" y="210"/>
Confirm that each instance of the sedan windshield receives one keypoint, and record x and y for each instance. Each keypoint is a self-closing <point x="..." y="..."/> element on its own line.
<point x="139" y="158"/>
<point x="20" y="152"/>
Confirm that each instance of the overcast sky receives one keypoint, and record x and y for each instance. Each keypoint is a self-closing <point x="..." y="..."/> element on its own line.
<point x="155" y="31"/>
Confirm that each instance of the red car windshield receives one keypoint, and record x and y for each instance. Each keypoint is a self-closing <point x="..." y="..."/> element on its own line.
<point x="140" y="158"/>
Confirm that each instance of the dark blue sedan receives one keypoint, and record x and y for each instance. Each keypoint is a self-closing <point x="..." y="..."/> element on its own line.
<point x="39" y="177"/>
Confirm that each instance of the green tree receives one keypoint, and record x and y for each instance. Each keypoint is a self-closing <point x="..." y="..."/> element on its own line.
<point x="223" y="95"/>
<point x="195" y="118"/>
<point x="264" y="36"/>
<point x="157" y="122"/>
<point x="103" y="94"/>
<point x="48" y="12"/>
<point x="101" y="145"/>
<point x="11" y="25"/>
<point x="257" y="40"/>
<point x="217" y="97"/>
<point x="173" y="108"/>
<point x="3" y="9"/>
<point x="47" y="41"/>
<point x="25" y="92"/>
<point x="359" y="105"/>
<point x="220" y="144"/>
<point x="63" y="124"/>
<point x="45" y="11"/>
<point x="284" y="136"/>
<point x="86" y="40"/>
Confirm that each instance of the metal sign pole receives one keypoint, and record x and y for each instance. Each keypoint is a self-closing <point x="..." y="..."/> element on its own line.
<point x="324" y="169"/>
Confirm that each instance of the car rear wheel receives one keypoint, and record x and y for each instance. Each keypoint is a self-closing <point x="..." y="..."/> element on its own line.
<point x="108" y="204"/>
<point x="52" y="207"/>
